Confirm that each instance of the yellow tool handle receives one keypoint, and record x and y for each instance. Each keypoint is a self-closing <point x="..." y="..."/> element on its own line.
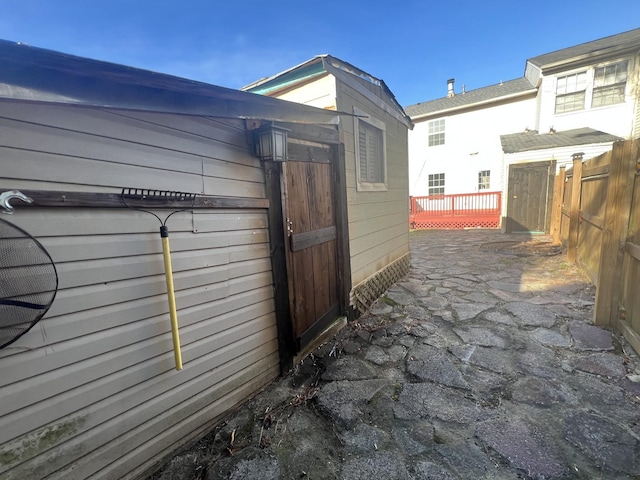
<point x="168" y="272"/>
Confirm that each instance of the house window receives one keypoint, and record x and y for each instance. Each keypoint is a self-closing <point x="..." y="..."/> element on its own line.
<point x="370" y="153"/>
<point x="436" y="132"/>
<point x="570" y="92"/>
<point x="609" y="83"/>
<point x="484" y="179"/>
<point x="436" y="184"/>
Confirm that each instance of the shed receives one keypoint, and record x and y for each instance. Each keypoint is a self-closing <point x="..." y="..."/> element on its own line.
<point x="91" y="391"/>
<point x="373" y="177"/>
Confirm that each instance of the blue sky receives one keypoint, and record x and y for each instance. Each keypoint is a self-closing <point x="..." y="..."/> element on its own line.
<point x="414" y="46"/>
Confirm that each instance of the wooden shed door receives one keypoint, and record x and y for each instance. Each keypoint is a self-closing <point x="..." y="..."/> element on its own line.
<point x="311" y="254"/>
<point x="529" y="200"/>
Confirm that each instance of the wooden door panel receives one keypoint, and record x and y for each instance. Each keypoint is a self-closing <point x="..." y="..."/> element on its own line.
<point x="311" y="259"/>
<point x="529" y="196"/>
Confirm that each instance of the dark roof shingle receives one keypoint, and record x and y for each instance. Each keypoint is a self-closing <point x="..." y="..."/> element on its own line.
<point x="479" y="95"/>
<point x="611" y="43"/>
<point x="532" y="140"/>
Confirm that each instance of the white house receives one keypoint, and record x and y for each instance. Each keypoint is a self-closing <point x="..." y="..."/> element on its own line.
<point x="576" y="100"/>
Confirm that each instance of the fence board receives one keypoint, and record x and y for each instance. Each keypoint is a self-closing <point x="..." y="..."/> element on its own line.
<point x="600" y="223"/>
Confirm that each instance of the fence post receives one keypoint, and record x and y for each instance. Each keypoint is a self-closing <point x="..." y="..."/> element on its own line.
<point x="574" y="208"/>
<point x="614" y="233"/>
<point x="556" y="209"/>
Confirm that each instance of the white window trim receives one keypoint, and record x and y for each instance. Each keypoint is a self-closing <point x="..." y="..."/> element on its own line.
<point x="374" y="122"/>
<point x="588" y="101"/>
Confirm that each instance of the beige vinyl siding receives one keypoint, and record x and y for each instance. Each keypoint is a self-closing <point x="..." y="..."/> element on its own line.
<point x="91" y="390"/>
<point x="378" y="221"/>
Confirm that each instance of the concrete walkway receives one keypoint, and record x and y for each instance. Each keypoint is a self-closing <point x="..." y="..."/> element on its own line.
<point x="480" y="364"/>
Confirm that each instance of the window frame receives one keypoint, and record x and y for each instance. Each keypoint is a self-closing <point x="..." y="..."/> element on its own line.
<point x="364" y="185"/>
<point x="575" y="93"/>
<point x="610" y="86"/>
<point x="436" y="181"/>
<point x="436" y="134"/>
<point x="482" y="175"/>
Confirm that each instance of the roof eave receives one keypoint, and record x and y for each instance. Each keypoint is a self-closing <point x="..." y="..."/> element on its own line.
<point x="473" y="105"/>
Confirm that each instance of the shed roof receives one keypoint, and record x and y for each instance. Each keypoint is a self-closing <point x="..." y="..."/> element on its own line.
<point x="532" y="140"/>
<point x="479" y="96"/>
<point x="36" y="74"/>
<point x="611" y="45"/>
<point x="317" y="66"/>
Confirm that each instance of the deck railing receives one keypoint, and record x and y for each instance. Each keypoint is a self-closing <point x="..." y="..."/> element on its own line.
<point x="467" y="210"/>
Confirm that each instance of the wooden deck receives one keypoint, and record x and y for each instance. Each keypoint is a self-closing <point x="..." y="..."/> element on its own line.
<point x="468" y="210"/>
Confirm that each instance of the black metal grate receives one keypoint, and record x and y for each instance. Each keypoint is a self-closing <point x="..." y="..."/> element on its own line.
<point x="28" y="282"/>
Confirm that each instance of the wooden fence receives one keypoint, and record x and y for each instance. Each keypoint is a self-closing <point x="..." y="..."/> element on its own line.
<point x="596" y="214"/>
<point x="467" y="210"/>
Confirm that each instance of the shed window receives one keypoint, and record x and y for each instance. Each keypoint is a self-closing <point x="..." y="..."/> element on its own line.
<point x="484" y="179"/>
<point x="370" y="153"/>
<point x="436" y="132"/>
<point x="609" y="83"/>
<point x="570" y="92"/>
<point x="436" y="184"/>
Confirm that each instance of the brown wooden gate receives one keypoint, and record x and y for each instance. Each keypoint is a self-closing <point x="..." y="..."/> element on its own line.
<point x="529" y="198"/>
<point x="309" y="209"/>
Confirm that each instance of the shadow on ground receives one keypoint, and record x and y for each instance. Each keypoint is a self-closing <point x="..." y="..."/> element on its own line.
<point x="482" y="363"/>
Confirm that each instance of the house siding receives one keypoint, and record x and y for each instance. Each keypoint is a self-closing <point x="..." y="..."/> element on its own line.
<point x="378" y="221"/>
<point x="614" y="119"/>
<point x="472" y="143"/>
<point x="91" y="390"/>
<point x="320" y="93"/>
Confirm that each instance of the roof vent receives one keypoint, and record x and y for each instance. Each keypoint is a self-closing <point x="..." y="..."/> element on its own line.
<point x="450" y="92"/>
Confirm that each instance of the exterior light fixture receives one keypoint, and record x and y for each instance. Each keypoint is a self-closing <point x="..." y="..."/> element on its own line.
<point x="270" y="142"/>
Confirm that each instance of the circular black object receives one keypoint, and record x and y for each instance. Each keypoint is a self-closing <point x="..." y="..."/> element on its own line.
<point x="28" y="282"/>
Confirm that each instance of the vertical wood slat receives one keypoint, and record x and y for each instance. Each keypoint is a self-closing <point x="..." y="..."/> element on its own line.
<point x="614" y="233"/>
<point x="556" y="209"/>
<point x="286" y="344"/>
<point x="574" y="208"/>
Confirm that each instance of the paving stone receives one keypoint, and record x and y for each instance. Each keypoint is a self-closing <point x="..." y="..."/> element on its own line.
<point x="419" y="313"/>
<point x="351" y="347"/>
<point x="379" y="465"/>
<point x="365" y="438"/>
<point x="482" y="336"/>
<point x="435" y="302"/>
<point x="442" y="290"/>
<point x="499" y="361"/>
<point x="413" y="437"/>
<point x="424" y="400"/>
<point x="596" y="393"/>
<point x="605" y="364"/>
<point x="381" y="308"/>
<point x="536" y="392"/>
<point x="509" y="296"/>
<point x="524" y="446"/>
<point x="515" y="287"/>
<point x="551" y="338"/>
<point x="396" y="353"/>
<point x="467" y="311"/>
<point x="376" y="355"/>
<point x="425" y="470"/>
<point x="406" y="340"/>
<point x="422" y="330"/>
<point x="589" y="337"/>
<point x="609" y="444"/>
<point x="349" y="368"/>
<point x="343" y="400"/>
<point x="468" y="462"/>
<point x="432" y="364"/>
<point x="498" y="317"/>
<point x="480" y="297"/>
<point x="401" y="298"/>
<point x="383" y="341"/>
<point x="538" y="360"/>
<point x="526" y="314"/>
<point x="251" y="464"/>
